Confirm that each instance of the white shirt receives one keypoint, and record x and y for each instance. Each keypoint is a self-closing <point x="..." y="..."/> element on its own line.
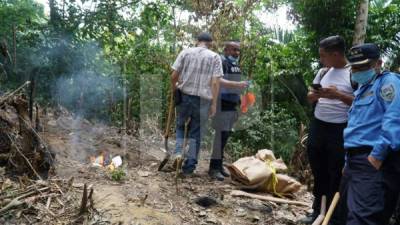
<point x="333" y="110"/>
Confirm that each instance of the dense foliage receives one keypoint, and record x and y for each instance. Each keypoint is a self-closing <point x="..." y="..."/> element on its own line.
<point x="110" y="60"/>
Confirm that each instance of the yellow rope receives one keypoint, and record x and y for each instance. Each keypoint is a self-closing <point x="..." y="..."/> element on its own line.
<point x="273" y="181"/>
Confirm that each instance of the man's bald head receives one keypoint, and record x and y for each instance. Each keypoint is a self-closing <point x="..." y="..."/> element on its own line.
<point x="232" y="48"/>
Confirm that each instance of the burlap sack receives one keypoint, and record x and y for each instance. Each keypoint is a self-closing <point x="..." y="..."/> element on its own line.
<point x="256" y="173"/>
<point x="287" y="185"/>
<point x="266" y="154"/>
<point x="279" y="165"/>
<point x="249" y="171"/>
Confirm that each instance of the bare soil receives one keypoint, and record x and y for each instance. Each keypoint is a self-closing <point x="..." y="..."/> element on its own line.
<point x="146" y="196"/>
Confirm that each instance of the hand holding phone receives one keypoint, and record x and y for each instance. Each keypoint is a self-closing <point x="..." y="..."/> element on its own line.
<point x="316" y="86"/>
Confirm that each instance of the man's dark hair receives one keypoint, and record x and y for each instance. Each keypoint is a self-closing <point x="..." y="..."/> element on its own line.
<point x="204" y="37"/>
<point x="333" y="44"/>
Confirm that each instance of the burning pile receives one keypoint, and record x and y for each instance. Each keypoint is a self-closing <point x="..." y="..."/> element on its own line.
<point x="105" y="160"/>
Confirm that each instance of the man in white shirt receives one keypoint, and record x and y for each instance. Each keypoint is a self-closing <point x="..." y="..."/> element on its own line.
<point x="332" y="101"/>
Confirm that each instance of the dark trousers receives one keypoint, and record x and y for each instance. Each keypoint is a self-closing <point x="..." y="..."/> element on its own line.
<point x="326" y="156"/>
<point x="371" y="195"/>
<point x="223" y="122"/>
<point x="391" y="179"/>
<point x="220" y="140"/>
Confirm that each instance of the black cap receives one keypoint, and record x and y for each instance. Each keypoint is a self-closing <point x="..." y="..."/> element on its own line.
<point x="204" y="36"/>
<point x="363" y="53"/>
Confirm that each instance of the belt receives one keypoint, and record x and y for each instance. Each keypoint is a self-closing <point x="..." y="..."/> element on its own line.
<point x="359" y="150"/>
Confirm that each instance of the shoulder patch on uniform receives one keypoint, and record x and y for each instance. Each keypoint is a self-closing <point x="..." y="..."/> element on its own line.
<point x="388" y="92"/>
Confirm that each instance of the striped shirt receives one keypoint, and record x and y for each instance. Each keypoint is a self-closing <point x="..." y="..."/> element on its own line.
<point x="196" y="67"/>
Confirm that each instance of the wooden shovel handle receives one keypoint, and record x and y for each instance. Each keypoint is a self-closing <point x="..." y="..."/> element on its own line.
<point x="332" y="207"/>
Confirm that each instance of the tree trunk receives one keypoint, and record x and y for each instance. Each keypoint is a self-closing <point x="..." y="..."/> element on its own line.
<point x="360" y="29"/>
<point x="53" y="12"/>
<point x="15" y="46"/>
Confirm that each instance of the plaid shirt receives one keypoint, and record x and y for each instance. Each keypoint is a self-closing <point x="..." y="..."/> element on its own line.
<point x="196" y="67"/>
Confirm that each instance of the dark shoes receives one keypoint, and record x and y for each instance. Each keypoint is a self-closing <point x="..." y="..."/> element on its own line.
<point x="308" y="219"/>
<point x="216" y="174"/>
<point x="225" y="172"/>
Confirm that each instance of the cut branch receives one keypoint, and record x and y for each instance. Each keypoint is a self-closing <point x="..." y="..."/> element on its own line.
<point x="237" y="193"/>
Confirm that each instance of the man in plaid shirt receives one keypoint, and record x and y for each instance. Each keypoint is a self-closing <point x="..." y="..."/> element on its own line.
<point x="196" y="75"/>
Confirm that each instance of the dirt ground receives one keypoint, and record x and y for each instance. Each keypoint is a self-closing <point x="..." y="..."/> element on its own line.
<point x="146" y="196"/>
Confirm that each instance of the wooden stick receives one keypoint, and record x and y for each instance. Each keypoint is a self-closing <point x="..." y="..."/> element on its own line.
<point x="143" y="200"/>
<point x="31" y="94"/>
<point x="83" y="208"/>
<point x="60" y="202"/>
<point x="28" y="192"/>
<point x="26" y="159"/>
<point x="16" y="202"/>
<point x="48" y="202"/>
<point x="27" y="219"/>
<point x="331" y="208"/>
<point x="238" y="193"/>
<point x="321" y="215"/>
<point x="8" y="95"/>
<point x="70" y="183"/>
<point x="90" y="197"/>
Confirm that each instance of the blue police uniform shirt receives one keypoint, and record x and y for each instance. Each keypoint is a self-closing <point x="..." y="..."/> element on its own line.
<point x="374" y="117"/>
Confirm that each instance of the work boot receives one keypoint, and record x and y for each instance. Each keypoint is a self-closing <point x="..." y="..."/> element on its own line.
<point x="216" y="174"/>
<point x="225" y="172"/>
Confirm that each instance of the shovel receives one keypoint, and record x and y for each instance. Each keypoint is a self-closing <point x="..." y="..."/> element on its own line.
<point x="167" y="132"/>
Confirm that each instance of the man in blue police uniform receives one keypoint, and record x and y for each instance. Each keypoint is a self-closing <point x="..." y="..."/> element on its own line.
<point x="228" y="101"/>
<point x="371" y="177"/>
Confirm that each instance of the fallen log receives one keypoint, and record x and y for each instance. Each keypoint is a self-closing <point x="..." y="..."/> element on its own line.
<point x="238" y="193"/>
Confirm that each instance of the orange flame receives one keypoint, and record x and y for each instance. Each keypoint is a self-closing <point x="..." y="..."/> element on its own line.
<point x="99" y="160"/>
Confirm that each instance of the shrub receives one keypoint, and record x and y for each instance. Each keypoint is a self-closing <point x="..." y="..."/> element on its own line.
<point x="273" y="129"/>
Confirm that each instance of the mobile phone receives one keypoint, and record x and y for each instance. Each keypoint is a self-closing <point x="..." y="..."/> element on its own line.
<point x="316" y="86"/>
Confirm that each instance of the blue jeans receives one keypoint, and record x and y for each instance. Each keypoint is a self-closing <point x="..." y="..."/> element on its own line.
<point x="196" y="109"/>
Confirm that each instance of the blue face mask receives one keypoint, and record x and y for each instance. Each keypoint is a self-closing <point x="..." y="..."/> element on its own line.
<point x="233" y="59"/>
<point x="363" y="77"/>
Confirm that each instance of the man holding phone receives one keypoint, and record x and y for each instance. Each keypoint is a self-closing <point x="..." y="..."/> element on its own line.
<point x="332" y="95"/>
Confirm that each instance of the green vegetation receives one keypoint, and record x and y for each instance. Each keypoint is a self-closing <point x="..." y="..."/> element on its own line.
<point x="110" y="60"/>
<point x="118" y="174"/>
